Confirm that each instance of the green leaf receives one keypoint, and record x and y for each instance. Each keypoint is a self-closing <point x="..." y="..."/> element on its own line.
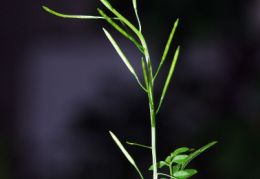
<point x="136" y="14"/>
<point x="145" y="73"/>
<point x="127" y="155"/>
<point x="72" y="16"/>
<point x="179" y="151"/>
<point x="167" y="46"/>
<point x="159" y="165"/>
<point x="197" y="152"/>
<point x="122" y="18"/>
<point x="169" y="77"/>
<point x="120" y="53"/>
<point x="168" y="159"/>
<point x="202" y="149"/>
<point x="140" y="145"/>
<point x="127" y="35"/>
<point x="167" y="175"/>
<point x="183" y="174"/>
<point x="107" y="4"/>
<point x="176" y="168"/>
<point x="191" y="150"/>
<point x="180" y="159"/>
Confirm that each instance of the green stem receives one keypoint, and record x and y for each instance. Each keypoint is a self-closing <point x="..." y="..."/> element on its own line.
<point x="170" y="167"/>
<point x="151" y="106"/>
<point x="140" y="145"/>
<point x="155" y="175"/>
<point x="153" y="128"/>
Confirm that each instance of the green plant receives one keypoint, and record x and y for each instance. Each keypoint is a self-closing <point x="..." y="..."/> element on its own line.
<point x="177" y="160"/>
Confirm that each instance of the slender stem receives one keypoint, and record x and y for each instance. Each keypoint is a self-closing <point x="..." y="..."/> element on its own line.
<point x="155" y="174"/>
<point x="153" y="128"/>
<point x="170" y="167"/>
<point x="151" y="105"/>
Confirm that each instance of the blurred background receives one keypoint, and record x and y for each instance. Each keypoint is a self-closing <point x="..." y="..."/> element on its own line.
<point x="63" y="87"/>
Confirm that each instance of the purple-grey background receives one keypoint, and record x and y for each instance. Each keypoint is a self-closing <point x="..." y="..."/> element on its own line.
<point x="63" y="87"/>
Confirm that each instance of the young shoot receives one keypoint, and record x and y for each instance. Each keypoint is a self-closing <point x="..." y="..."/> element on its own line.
<point x="178" y="159"/>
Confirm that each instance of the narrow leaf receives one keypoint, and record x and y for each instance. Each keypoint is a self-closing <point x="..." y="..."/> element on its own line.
<point x="72" y="16"/>
<point x="167" y="46"/>
<point x="145" y="73"/>
<point x="183" y="174"/>
<point x="159" y="165"/>
<point x="169" y="77"/>
<point x="140" y="47"/>
<point x="127" y="155"/>
<point x="140" y="145"/>
<point x="197" y="152"/>
<point x="107" y="4"/>
<point x="179" y="151"/>
<point x="136" y="14"/>
<point x="120" y="53"/>
<point x="122" y="18"/>
<point x="127" y="35"/>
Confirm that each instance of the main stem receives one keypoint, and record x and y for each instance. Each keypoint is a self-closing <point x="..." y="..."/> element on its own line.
<point x="152" y="117"/>
<point x="153" y="123"/>
<point x="153" y="130"/>
<point x="151" y="103"/>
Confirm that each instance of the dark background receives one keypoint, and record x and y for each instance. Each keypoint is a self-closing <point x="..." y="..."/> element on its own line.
<point x="63" y="87"/>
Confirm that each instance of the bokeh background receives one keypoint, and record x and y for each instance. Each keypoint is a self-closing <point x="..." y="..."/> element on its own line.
<point x="63" y="87"/>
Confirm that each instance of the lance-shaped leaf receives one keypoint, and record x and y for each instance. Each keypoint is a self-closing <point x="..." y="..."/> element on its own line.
<point x="167" y="46"/>
<point x="133" y="28"/>
<point x="127" y="155"/>
<point x="121" y="54"/>
<point x="122" y="18"/>
<point x="145" y="73"/>
<point x="140" y="145"/>
<point x="73" y="16"/>
<point x="127" y="35"/>
<point x="169" y="77"/>
<point x="136" y="14"/>
<point x="196" y="153"/>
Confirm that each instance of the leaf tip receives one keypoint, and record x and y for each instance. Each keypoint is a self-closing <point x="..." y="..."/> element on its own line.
<point x="100" y="11"/>
<point x="107" y="4"/>
<point x="46" y="8"/>
<point x="176" y="23"/>
<point x="106" y="34"/>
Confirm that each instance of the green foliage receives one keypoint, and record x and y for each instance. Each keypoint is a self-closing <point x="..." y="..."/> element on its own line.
<point x="178" y="159"/>
<point x="127" y="155"/>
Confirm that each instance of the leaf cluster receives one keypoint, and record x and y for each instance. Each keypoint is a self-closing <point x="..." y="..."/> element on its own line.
<point x="179" y="159"/>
